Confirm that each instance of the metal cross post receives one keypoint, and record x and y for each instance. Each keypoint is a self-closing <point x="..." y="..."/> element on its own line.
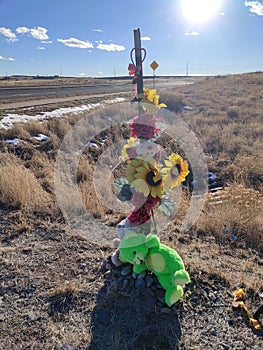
<point x="138" y="60"/>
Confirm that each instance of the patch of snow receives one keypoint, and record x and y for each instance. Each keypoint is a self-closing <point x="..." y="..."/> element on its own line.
<point x="10" y="119"/>
<point x="188" y="108"/>
<point x="211" y="176"/>
<point x="14" y="142"/>
<point x="104" y="140"/>
<point x="41" y="137"/>
<point x="92" y="144"/>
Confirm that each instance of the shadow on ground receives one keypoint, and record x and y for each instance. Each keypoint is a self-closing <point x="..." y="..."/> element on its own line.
<point x="130" y="319"/>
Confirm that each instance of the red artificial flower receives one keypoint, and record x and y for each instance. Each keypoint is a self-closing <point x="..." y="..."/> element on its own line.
<point x="139" y="216"/>
<point x="151" y="202"/>
<point x="131" y="69"/>
<point x="139" y="201"/>
<point x="144" y="126"/>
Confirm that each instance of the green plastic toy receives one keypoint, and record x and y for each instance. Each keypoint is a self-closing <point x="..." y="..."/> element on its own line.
<point x="147" y="253"/>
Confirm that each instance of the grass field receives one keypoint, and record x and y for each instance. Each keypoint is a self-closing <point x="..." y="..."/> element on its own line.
<point x="52" y="279"/>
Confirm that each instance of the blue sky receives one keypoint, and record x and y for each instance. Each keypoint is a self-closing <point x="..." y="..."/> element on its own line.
<point x="93" y="38"/>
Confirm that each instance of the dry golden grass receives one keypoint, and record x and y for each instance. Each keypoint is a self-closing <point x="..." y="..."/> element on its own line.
<point x="20" y="188"/>
<point x="18" y="131"/>
<point x="226" y="115"/>
<point x="87" y="190"/>
<point x="237" y="207"/>
<point x="34" y="127"/>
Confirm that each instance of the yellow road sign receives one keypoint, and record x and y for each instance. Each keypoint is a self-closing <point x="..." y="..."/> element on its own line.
<point x="154" y="65"/>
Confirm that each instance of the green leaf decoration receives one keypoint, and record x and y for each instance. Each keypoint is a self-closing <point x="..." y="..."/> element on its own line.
<point x="125" y="194"/>
<point x="118" y="183"/>
<point x="167" y="206"/>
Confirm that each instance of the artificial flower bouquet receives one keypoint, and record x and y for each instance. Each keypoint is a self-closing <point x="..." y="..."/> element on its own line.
<point x="150" y="174"/>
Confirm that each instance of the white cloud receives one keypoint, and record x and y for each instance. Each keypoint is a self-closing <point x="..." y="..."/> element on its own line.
<point x="110" y="47"/>
<point x="145" y="38"/>
<point x="8" y="33"/>
<point x="73" y="42"/>
<point x="255" y="7"/>
<point x="82" y="74"/>
<point x="40" y="48"/>
<point x="8" y="59"/>
<point x="22" y="30"/>
<point x="98" y="30"/>
<point x="46" y="41"/>
<point x="192" y="34"/>
<point x="39" y="33"/>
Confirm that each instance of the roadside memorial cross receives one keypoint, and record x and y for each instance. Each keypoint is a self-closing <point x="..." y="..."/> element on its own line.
<point x="138" y="60"/>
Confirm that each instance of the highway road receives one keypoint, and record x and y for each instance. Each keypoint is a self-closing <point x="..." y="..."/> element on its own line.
<point x="25" y="92"/>
<point x="26" y="96"/>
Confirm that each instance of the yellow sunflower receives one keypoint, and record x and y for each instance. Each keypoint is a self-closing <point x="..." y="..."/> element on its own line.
<point x="132" y="168"/>
<point x="176" y="171"/>
<point x="145" y="177"/>
<point x="132" y="142"/>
